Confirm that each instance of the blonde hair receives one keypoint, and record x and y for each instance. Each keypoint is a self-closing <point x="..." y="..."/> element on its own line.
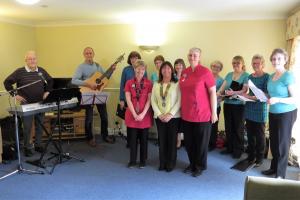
<point x="240" y="59"/>
<point x="217" y="62"/>
<point x="260" y="57"/>
<point x="195" y="49"/>
<point x="139" y="63"/>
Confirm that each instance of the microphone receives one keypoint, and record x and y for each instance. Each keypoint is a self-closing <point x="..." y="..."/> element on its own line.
<point x="42" y="77"/>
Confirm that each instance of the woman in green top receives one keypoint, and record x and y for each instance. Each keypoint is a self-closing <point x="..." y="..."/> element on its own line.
<point x="165" y="101"/>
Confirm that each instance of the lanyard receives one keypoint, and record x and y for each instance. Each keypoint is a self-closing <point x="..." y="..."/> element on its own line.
<point x="138" y="88"/>
<point x="164" y="94"/>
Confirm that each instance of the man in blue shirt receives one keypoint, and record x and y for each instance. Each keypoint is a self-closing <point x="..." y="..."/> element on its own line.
<point x="84" y="72"/>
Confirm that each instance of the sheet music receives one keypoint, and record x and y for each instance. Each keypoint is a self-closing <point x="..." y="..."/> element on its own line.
<point x="260" y="95"/>
<point x="87" y="98"/>
<point x="240" y="97"/>
<point x="91" y="98"/>
<point x="101" y="97"/>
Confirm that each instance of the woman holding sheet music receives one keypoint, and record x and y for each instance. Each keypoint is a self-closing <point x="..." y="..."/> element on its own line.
<point x="256" y="113"/>
<point x="282" y="112"/>
<point x="235" y="83"/>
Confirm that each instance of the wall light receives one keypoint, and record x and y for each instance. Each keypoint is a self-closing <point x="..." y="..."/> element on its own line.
<point x="150" y="35"/>
<point x="150" y="26"/>
<point x="28" y="2"/>
<point x="148" y="48"/>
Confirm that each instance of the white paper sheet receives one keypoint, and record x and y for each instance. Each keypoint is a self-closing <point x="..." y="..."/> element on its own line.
<point x="260" y="95"/>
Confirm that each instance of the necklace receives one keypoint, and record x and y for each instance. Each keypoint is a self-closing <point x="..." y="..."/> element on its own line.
<point x="138" y="90"/>
<point x="164" y="94"/>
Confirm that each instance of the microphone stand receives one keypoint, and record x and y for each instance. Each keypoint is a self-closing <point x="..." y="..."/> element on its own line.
<point x="20" y="168"/>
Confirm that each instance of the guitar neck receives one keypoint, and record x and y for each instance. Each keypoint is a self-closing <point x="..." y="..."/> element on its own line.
<point x="107" y="74"/>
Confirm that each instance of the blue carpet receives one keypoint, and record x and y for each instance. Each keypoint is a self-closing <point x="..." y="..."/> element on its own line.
<point x="104" y="175"/>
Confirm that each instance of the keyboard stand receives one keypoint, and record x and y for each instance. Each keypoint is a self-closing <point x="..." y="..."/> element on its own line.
<point x="57" y="96"/>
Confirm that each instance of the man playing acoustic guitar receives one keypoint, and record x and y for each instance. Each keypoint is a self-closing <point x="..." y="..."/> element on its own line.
<point x="84" y="72"/>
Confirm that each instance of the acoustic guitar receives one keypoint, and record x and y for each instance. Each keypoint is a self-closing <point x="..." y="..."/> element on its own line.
<point x="101" y="79"/>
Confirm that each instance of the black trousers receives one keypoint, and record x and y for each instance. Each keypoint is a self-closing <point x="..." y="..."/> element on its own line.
<point x="141" y="135"/>
<point x="234" y="127"/>
<point x="167" y="133"/>
<point x="281" y="126"/>
<point x="214" y="131"/>
<point x="256" y="139"/>
<point x="27" y="126"/>
<point x="196" y="138"/>
<point x="89" y="120"/>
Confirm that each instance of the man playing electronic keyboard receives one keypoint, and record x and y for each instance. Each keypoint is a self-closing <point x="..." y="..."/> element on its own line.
<point x="84" y="72"/>
<point x="27" y="74"/>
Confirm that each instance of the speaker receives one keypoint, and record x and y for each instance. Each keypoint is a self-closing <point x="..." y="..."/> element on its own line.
<point x="8" y="129"/>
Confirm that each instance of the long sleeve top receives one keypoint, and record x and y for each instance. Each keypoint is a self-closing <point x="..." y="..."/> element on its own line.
<point x="23" y="76"/>
<point x="172" y="101"/>
<point x="85" y="71"/>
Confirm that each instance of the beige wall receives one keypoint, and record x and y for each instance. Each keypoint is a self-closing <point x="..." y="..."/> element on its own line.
<point x="60" y="48"/>
<point x="15" y="40"/>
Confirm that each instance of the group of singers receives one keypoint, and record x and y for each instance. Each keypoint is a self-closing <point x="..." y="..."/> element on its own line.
<point x="182" y="100"/>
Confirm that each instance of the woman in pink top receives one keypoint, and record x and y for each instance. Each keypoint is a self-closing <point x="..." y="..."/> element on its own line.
<point x="138" y="116"/>
<point x="198" y="111"/>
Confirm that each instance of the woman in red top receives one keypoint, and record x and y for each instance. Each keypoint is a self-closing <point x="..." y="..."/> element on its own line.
<point x="138" y="116"/>
<point x="198" y="111"/>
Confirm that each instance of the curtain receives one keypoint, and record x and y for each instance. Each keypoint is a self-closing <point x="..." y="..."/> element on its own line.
<point x="293" y="48"/>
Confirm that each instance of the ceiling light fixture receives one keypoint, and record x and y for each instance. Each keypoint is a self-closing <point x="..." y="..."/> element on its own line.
<point x="28" y="2"/>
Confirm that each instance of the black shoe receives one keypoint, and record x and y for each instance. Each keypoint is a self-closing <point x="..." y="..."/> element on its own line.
<point x="28" y="152"/>
<point x="109" y="139"/>
<point x="169" y="169"/>
<point x="142" y="165"/>
<point x="197" y="173"/>
<point x="131" y="165"/>
<point x="258" y="162"/>
<point x="211" y="148"/>
<point x="236" y="155"/>
<point x="39" y="149"/>
<point x="188" y="170"/>
<point x="251" y="159"/>
<point x="268" y="172"/>
<point x="161" y="168"/>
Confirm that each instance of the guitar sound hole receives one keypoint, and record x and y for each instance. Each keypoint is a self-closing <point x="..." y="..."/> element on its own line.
<point x="98" y="81"/>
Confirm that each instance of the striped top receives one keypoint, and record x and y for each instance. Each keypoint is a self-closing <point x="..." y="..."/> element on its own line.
<point x="33" y="93"/>
<point x="257" y="111"/>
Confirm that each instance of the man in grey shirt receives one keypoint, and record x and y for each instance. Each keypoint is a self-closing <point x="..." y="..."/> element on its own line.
<point x="84" y="72"/>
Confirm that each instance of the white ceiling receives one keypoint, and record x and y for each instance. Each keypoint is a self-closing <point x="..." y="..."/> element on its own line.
<point x="62" y="12"/>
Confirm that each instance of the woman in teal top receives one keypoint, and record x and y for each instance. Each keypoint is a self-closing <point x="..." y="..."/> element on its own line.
<point x="235" y="83"/>
<point x="216" y="67"/>
<point x="282" y="112"/>
<point x="256" y="113"/>
<point x="158" y="61"/>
